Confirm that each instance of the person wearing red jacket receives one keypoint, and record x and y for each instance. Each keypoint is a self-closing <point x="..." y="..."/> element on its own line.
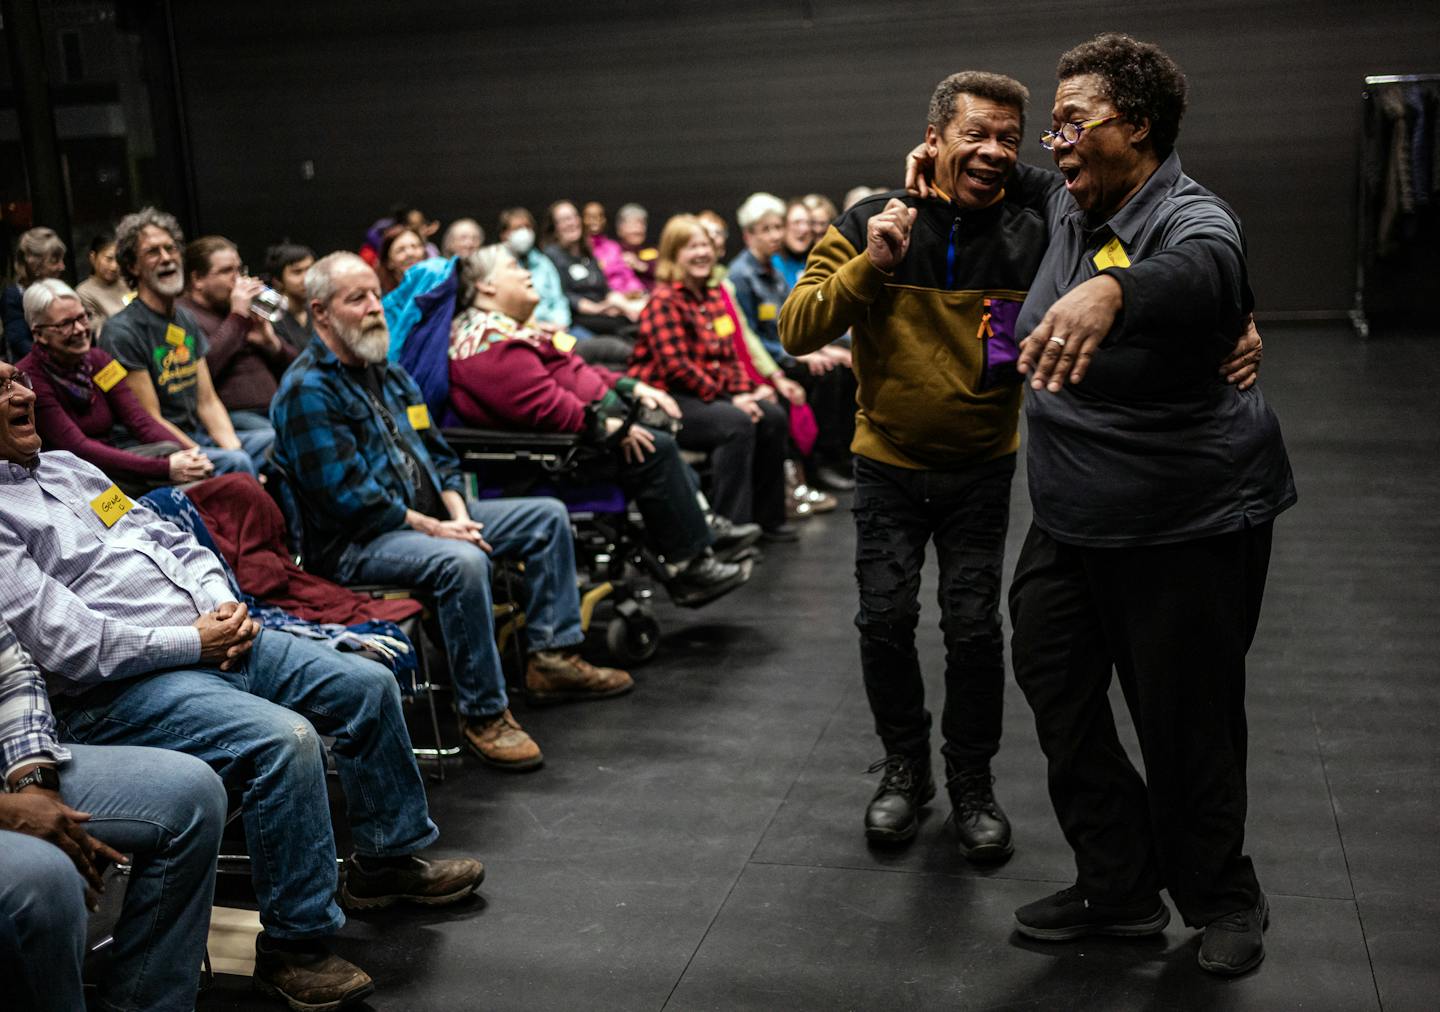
<point x="506" y="375"/>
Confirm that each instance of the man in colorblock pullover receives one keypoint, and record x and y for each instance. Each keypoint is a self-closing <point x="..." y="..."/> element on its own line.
<point x="930" y="289"/>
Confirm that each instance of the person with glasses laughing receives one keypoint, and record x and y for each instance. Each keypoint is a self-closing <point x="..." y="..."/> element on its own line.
<point x="80" y="402"/>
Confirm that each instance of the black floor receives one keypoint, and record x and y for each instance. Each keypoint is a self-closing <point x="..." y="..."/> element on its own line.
<point x="697" y="845"/>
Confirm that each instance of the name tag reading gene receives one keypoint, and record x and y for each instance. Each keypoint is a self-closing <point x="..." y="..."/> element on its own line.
<point x="111" y="505"/>
<point x="419" y="416"/>
<point x="106" y="378"/>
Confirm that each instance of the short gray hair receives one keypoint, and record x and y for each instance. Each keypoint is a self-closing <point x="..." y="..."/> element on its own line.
<point x="478" y="267"/>
<point x="631" y="211"/>
<point x="320" y="278"/>
<point x="37" y="244"/>
<point x="41" y="295"/>
<point x="757" y="206"/>
<point x="127" y="236"/>
<point x="450" y="233"/>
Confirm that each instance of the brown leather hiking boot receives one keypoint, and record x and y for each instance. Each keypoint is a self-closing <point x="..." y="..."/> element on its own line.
<point x="553" y="677"/>
<point x="435" y="883"/>
<point x="501" y="742"/>
<point x="313" y="980"/>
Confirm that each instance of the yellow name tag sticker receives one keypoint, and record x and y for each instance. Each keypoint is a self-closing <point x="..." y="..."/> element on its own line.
<point x="106" y="378"/>
<point x="767" y="311"/>
<point x="1112" y="254"/>
<point x="563" y="341"/>
<point x="649" y="254"/>
<point x="175" y="335"/>
<point x="111" y="505"/>
<point x="419" y="416"/>
<point x="724" y="326"/>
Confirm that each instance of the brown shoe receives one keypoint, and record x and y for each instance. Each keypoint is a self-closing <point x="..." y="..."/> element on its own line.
<point x="501" y="742"/>
<point x="553" y="677"/>
<point x="416" y="880"/>
<point x="312" y="981"/>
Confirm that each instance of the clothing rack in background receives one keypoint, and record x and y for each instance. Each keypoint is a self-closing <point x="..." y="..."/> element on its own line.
<point x="1399" y="195"/>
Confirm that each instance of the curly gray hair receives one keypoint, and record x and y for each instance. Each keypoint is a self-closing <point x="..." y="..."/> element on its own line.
<point x="127" y="236"/>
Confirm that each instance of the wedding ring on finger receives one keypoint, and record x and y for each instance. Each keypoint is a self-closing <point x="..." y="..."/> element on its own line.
<point x="1057" y="340"/>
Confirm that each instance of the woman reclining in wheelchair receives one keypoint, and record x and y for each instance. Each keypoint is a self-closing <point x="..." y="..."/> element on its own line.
<point x="506" y="375"/>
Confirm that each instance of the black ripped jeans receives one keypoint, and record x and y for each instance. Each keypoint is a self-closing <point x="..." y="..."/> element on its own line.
<point x="897" y="512"/>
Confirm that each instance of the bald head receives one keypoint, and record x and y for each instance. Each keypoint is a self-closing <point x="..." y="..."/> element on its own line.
<point x="344" y="296"/>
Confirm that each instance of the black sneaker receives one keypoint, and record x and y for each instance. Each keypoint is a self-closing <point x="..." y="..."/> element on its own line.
<point x="892" y="815"/>
<point x="705" y="578"/>
<point x="429" y="883"/>
<point x="307" y="976"/>
<point x="982" y="832"/>
<point x="1070" y="914"/>
<point x="1235" y="944"/>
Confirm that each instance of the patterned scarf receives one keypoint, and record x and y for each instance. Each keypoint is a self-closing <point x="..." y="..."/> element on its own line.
<point x="74" y="382"/>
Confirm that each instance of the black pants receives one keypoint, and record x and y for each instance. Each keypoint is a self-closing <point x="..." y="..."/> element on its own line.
<point x="1175" y="622"/>
<point x="747" y="459"/>
<point x="966" y="512"/>
<point x="832" y="397"/>
<point x="663" y="487"/>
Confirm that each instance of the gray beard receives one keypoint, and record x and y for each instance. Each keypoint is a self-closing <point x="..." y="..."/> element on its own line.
<point x="168" y="287"/>
<point x="370" y="346"/>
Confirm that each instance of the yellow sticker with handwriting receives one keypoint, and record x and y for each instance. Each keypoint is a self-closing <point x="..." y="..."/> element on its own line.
<point x="649" y="254"/>
<point x="111" y="505"/>
<point x="766" y="311"/>
<point x="563" y="341"/>
<point x="724" y="326"/>
<point x="175" y="335"/>
<point x="1112" y="254"/>
<point x="419" y="416"/>
<point x="106" y="378"/>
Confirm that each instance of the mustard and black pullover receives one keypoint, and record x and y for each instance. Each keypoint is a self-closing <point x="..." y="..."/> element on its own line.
<point x="938" y="389"/>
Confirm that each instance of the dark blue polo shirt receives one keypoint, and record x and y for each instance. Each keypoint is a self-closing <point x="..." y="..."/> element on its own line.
<point x="1153" y="446"/>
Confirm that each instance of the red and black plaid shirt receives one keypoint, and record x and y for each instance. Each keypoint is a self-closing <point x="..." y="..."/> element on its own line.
<point x="679" y="348"/>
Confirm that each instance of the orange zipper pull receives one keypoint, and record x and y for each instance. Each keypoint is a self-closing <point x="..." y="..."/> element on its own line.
<point x="985" y="329"/>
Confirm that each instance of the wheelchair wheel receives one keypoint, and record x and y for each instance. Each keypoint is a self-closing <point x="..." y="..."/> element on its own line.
<point x="633" y="639"/>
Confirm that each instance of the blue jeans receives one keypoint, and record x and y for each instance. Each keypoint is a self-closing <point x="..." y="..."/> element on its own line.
<point x="255" y="434"/>
<point x="257" y="727"/>
<point x="166" y="811"/>
<point x="457" y="574"/>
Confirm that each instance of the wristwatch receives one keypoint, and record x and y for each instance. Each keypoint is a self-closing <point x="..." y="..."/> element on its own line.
<point x="41" y="776"/>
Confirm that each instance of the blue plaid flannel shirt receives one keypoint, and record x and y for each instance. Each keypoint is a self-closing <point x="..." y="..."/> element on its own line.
<point x="330" y="440"/>
<point x="27" y="727"/>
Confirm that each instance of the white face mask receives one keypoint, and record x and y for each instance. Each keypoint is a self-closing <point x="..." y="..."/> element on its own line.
<point x="520" y="241"/>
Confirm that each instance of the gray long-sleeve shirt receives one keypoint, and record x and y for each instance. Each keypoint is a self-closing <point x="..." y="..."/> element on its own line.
<point x="1153" y="446"/>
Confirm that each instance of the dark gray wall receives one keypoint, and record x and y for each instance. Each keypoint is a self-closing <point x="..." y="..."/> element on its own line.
<point x="465" y="107"/>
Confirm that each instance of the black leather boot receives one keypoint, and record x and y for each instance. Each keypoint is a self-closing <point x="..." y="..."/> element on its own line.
<point x="891" y="816"/>
<point x="982" y="832"/>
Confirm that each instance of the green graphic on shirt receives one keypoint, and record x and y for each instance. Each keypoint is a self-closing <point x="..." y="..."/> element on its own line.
<point x="176" y="367"/>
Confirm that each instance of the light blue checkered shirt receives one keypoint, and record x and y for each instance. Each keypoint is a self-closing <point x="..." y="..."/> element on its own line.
<point x="94" y="603"/>
<point x="27" y="728"/>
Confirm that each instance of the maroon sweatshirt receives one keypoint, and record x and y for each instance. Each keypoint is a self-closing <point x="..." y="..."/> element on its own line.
<point x="245" y="376"/>
<point x="87" y="433"/>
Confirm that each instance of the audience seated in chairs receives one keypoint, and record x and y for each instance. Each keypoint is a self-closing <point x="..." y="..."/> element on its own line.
<point x="104" y="293"/>
<point x="162" y="346"/>
<point x="163" y="809"/>
<point x="686" y="348"/>
<point x="795" y="242"/>
<point x="385" y="496"/>
<point x="517" y="232"/>
<point x="142" y="642"/>
<point x="39" y="253"/>
<point x="604" y="318"/>
<point x="80" y="401"/>
<point x="285" y="265"/>
<point x="245" y="355"/>
<point x="506" y="375"/>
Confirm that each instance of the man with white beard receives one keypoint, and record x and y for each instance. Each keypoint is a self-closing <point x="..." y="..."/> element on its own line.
<point x="160" y="346"/>
<point x="385" y="499"/>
